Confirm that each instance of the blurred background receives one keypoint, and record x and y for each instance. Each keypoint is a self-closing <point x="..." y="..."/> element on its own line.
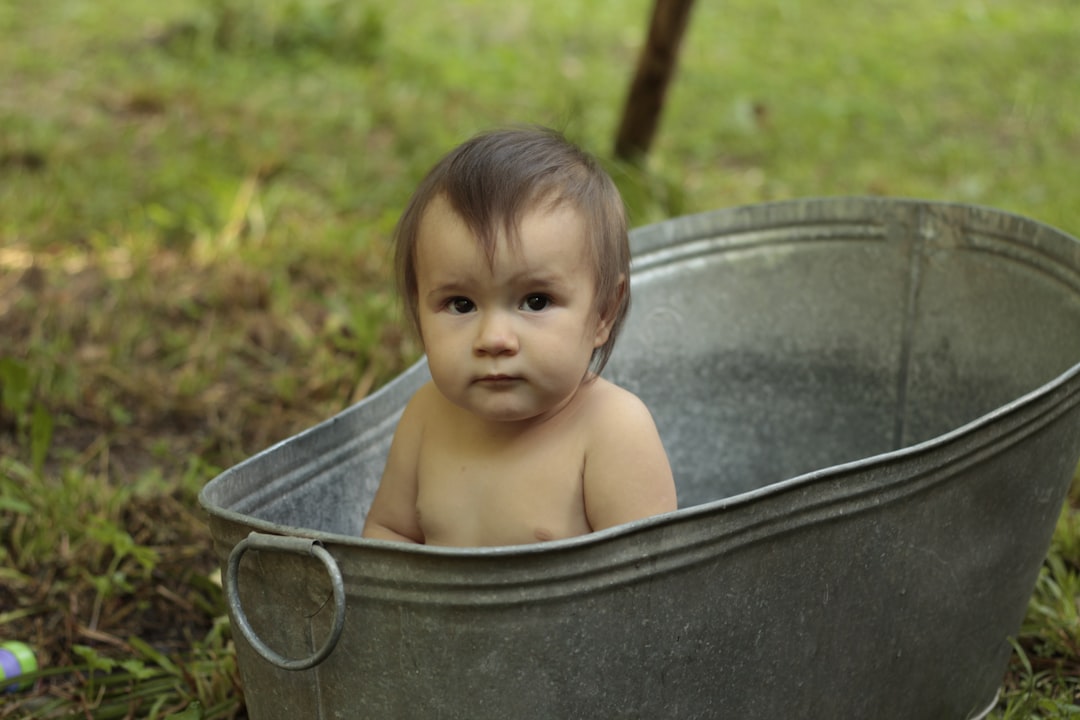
<point x="196" y="201"/>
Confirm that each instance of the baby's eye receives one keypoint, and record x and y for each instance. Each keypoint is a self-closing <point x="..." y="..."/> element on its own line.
<point x="460" y="305"/>
<point x="536" y="302"/>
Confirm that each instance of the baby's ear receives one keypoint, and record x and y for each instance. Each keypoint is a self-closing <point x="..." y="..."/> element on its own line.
<point x="610" y="312"/>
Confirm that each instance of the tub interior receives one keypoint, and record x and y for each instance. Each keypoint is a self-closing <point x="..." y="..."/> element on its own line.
<point x="768" y="353"/>
<point x="770" y="342"/>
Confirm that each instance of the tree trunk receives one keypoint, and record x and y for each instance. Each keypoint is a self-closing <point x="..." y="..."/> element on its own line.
<point x="656" y="65"/>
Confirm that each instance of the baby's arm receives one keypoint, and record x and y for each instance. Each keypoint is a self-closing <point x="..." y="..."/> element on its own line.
<point x="627" y="474"/>
<point x="393" y="511"/>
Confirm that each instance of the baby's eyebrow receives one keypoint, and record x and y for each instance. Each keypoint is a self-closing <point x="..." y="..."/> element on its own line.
<point x="539" y="278"/>
<point x="450" y="287"/>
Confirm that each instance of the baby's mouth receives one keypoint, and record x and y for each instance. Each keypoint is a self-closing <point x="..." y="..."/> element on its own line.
<point x="497" y="378"/>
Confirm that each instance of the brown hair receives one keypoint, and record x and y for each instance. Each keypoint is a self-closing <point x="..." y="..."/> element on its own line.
<point x="492" y="180"/>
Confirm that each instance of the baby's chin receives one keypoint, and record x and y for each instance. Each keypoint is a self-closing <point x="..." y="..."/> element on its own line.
<point x="509" y="414"/>
<point x="506" y="410"/>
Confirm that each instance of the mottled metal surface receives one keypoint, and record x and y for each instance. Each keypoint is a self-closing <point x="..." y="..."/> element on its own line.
<point x="872" y="408"/>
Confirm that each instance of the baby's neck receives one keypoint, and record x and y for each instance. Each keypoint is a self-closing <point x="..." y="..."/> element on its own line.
<point x="509" y="430"/>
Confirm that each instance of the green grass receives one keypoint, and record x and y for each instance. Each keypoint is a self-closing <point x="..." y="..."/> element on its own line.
<point x="195" y="204"/>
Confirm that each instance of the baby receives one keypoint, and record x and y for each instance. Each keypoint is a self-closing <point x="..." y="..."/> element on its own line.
<point x="513" y="263"/>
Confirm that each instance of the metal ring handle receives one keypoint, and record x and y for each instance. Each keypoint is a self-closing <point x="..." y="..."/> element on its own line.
<point x="299" y="546"/>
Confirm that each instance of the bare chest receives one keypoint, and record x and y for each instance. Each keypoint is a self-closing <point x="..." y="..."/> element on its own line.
<point x="477" y="490"/>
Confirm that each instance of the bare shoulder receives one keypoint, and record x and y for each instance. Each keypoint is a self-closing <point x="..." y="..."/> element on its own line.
<point x="424" y="405"/>
<point x="627" y="474"/>
<point x="613" y="409"/>
<point x="425" y="397"/>
<point x="392" y="515"/>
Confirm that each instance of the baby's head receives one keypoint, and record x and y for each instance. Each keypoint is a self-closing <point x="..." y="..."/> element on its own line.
<point x="493" y="180"/>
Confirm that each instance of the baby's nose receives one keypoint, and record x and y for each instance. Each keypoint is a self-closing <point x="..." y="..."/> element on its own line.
<point x="496" y="336"/>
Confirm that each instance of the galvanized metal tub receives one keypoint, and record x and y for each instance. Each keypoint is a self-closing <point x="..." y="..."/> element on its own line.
<point x="872" y="409"/>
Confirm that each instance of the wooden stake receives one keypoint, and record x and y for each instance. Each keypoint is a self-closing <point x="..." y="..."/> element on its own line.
<point x="656" y="65"/>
